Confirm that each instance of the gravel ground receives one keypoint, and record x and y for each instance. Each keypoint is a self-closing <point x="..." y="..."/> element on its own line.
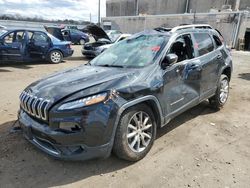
<point x="200" y="148"/>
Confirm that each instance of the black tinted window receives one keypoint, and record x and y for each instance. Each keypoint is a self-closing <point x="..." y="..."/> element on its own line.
<point x="204" y="43"/>
<point x="217" y="41"/>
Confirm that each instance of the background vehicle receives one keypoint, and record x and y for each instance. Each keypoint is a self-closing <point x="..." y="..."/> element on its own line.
<point x="73" y="35"/>
<point x="125" y="93"/>
<point x="103" y="40"/>
<point x="28" y="45"/>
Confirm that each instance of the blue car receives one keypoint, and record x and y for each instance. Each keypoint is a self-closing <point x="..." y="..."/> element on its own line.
<point x="28" y="45"/>
<point x="73" y="35"/>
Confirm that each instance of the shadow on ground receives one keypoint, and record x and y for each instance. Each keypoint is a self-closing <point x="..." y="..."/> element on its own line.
<point x="32" y="166"/>
<point x="20" y="65"/>
<point x="245" y="76"/>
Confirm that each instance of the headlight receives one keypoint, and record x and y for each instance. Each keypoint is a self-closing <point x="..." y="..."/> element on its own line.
<point x="99" y="49"/>
<point x="83" y="102"/>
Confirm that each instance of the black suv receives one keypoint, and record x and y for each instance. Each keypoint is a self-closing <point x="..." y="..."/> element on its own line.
<point x="117" y="101"/>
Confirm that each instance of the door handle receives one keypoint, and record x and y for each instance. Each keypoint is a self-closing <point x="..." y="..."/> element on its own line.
<point x="219" y="56"/>
<point x="195" y="67"/>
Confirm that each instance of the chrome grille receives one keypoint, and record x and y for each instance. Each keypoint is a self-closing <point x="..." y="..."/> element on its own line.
<point x="34" y="106"/>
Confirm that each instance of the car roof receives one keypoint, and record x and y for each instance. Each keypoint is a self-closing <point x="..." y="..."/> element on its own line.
<point x="187" y="28"/>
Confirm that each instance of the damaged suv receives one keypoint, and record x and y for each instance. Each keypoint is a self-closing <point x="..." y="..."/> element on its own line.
<point x="117" y="101"/>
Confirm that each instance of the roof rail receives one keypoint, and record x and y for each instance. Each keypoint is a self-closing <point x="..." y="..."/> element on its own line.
<point x="194" y="26"/>
<point x="162" y="29"/>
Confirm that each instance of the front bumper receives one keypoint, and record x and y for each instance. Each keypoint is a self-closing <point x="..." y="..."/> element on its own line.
<point x="90" y="53"/>
<point x="60" y="144"/>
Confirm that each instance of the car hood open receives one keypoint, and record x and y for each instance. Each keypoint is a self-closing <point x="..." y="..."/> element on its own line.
<point x="97" y="32"/>
<point x="55" y="31"/>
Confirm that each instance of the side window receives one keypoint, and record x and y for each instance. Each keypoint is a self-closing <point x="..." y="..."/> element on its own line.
<point x="217" y="41"/>
<point x="204" y="43"/>
<point x="39" y="37"/>
<point x="9" y="38"/>
<point x="183" y="48"/>
<point x="122" y="38"/>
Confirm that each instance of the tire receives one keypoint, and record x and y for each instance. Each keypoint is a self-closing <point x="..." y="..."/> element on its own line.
<point x="55" y="56"/>
<point x="82" y="42"/>
<point x="222" y="93"/>
<point x="126" y="144"/>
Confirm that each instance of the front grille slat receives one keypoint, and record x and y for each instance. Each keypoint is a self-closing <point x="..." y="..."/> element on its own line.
<point x="37" y="107"/>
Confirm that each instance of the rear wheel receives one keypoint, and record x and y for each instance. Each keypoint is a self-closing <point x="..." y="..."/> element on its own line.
<point x="135" y="133"/>
<point x="222" y="93"/>
<point x="55" y="56"/>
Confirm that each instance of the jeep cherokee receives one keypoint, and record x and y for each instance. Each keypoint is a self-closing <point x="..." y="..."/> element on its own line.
<point x="117" y="100"/>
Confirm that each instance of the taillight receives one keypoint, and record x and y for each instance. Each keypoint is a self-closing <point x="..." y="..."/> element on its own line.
<point x="68" y="45"/>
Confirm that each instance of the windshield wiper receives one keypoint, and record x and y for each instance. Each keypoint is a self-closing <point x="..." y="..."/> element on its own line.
<point x="107" y="65"/>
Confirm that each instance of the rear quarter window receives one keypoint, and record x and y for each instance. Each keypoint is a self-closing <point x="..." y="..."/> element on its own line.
<point x="204" y="43"/>
<point x="217" y="41"/>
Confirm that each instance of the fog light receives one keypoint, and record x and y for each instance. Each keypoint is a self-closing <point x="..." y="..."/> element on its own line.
<point x="69" y="126"/>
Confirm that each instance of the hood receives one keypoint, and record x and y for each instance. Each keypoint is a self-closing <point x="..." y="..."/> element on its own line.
<point x="68" y="82"/>
<point x="55" y="31"/>
<point x="96" y="32"/>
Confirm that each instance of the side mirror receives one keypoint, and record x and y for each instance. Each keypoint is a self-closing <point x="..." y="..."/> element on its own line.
<point x="168" y="60"/>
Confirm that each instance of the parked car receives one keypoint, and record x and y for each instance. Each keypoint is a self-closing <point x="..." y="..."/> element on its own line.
<point x="116" y="102"/>
<point x="28" y="45"/>
<point x="103" y="40"/>
<point x="73" y="35"/>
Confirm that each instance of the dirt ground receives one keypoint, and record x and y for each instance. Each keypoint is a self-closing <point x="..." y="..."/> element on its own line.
<point x="200" y="148"/>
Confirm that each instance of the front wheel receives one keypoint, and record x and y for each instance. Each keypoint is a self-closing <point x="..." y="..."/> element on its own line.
<point x="82" y="42"/>
<point x="222" y="93"/>
<point x="135" y="133"/>
<point x="55" y="56"/>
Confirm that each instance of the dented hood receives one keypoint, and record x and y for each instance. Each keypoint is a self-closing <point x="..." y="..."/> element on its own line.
<point x="97" y="32"/>
<point x="68" y="82"/>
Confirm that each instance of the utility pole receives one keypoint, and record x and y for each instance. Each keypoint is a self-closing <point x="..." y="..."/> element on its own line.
<point x="99" y="13"/>
<point x="90" y="17"/>
<point x="136" y="7"/>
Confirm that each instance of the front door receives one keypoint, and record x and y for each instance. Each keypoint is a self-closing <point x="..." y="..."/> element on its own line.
<point x="12" y="46"/>
<point x="182" y="80"/>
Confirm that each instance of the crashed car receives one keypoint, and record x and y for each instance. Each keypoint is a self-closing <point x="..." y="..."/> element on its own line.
<point x="28" y="45"/>
<point x="117" y="101"/>
<point x="103" y="40"/>
<point x="73" y="35"/>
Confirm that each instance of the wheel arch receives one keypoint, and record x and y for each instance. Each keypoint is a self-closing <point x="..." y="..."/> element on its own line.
<point x="151" y="101"/>
<point x="55" y="49"/>
<point x="227" y="71"/>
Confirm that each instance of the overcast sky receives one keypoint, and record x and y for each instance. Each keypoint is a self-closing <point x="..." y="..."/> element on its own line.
<point x="54" y="9"/>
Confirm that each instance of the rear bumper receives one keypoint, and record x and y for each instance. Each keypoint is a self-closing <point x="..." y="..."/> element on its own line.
<point x="68" y="53"/>
<point x="59" y="144"/>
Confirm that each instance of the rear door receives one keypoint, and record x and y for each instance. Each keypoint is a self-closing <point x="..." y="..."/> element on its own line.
<point x="66" y="35"/>
<point x="208" y="57"/>
<point x="39" y="45"/>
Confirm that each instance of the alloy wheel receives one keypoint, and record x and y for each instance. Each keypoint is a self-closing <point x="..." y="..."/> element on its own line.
<point x="139" y="131"/>
<point x="55" y="57"/>
<point x="224" y="91"/>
